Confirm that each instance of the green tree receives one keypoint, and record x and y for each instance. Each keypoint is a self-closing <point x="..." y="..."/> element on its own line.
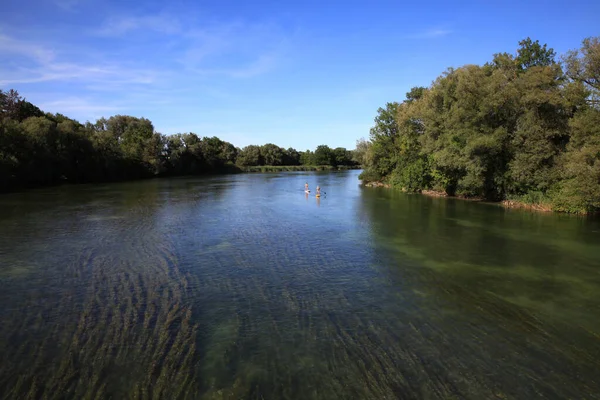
<point x="215" y="153"/>
<point x="291" y="157"/>
<point x="340" y="156"/>
<point x="583" y="66"/>
<point x="415" y="93"/>
<point x="323" y="155"/>
<point x="307" y="158"/>
<point x="532" y="54"/>
<point x="250" y="156"/>
<point x="359" y="156"/>
<point x="272" y="154"/>
<point x="502" y="129"/>
<point x="383" y="137"/>
<point x="579" y="187"/>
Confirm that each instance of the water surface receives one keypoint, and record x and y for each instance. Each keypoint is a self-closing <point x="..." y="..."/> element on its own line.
<point x="243" y="287"/>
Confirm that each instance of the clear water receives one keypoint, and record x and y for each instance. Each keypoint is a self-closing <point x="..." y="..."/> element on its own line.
<point x="243" y="287"/>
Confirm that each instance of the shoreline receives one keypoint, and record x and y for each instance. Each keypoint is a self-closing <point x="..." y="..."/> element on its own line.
<point x="227" y="170"/>
<point x="286" y="168"/>
<point x="507" y="204"/>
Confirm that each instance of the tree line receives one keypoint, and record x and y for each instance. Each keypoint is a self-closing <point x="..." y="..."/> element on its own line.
<point x="38" y="148"/>
<point x="522" y="127"/>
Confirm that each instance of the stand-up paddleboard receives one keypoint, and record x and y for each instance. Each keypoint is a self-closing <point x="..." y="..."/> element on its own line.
<point x="307" y="191"/>
<point x="318" y="195"/>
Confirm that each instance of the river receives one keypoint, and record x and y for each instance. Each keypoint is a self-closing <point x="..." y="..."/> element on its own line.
<point x="244" y="287"/>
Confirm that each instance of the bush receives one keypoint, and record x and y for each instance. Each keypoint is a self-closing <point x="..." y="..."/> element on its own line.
<point x="368" y="175"/>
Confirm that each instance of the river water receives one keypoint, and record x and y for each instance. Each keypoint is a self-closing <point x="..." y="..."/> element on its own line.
<point x="244" y="287"/>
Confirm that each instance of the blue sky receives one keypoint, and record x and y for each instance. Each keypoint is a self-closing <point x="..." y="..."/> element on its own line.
<point x="293" y="73"/>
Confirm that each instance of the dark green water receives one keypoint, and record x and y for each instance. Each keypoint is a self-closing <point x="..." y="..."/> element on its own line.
<point x="241" y="287"/>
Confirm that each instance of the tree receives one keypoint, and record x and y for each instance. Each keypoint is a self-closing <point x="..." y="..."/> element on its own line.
<point x="383" y="138"/>
<point x="291" y="157"/>
<point x="307" y="158"/>
<point x="272" y="154"/>
<point x="578" y="189"/>
<point x="583" y="66"/>
<point x="323" y="155"/>
<point x="532" y="54"/>
<point x="12" y="105"/>
<point x="515" y="127"/>
<point x="250" y="156"/>
<point x="415" y="93"/>
<point x="359" y="155"/>
<point x="341" y="156"/>
<point x="216" y="153"/>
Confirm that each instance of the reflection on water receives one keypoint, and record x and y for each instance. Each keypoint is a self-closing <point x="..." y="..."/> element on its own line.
<point x="238" y="287"/>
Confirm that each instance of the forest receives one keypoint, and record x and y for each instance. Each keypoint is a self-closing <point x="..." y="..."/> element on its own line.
<point x="523" y="128"/>
<point x="39" y="148"/>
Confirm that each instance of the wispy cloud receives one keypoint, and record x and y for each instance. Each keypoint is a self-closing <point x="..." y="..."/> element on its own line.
<point x="121" y="25"/>
<point x="235" y="50"/>
<point x="133" y="63"/>
<point x="31" y="62"/>
<point x="12" y="46"/>
<point x="263" y="64"/>
<point x="78" y="105"/>
<point x="68" y="5"/>
<point x="430" y="33"/>
<point x="68" y="71"/>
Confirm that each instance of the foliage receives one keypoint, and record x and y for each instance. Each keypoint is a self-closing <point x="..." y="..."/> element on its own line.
<point x="532" y="54"/>
<point x="519" y="127"/>
<point x="42" y="149"/>
<point x="323" y="156"/>
<point x="272" y="154"/>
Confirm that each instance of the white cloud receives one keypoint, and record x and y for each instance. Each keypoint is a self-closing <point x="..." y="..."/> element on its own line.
<point x="9" y="45"/>
<point x="232" y="49"/>
<point x="192" y="62"/>
<point x="28" y="62"/>
<point x="66" y="71"/>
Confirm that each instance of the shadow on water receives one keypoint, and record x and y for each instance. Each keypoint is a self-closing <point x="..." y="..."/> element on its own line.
<point x="241" y="287"/>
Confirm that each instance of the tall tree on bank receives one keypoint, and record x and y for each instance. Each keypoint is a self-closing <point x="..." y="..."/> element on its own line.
<point x="518" y="127"/>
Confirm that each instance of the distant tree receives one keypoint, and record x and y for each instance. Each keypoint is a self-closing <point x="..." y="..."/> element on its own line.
<point x="13" y="106"/>
<point x="216" y="153"/>
<point x="291" y="157"/>
<point x="249" y="156"/>
<point x="323" y="155"/>
<point x="360" y="152"/>
<point x="340" y="156"/>
<point x="132" y="134"/>
<point x="307" y="157"/>
<point x="272" y="154"/>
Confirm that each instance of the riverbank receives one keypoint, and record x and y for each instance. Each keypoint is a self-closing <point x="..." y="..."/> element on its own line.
<point x="507" y="203"/>
<point x="283" y="168"/>
<point x="225" y="170"/>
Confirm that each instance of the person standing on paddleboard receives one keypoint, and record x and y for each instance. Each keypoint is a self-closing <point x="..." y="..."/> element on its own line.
<point x="318" y="191"/>
<point x="306" y="187"/>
